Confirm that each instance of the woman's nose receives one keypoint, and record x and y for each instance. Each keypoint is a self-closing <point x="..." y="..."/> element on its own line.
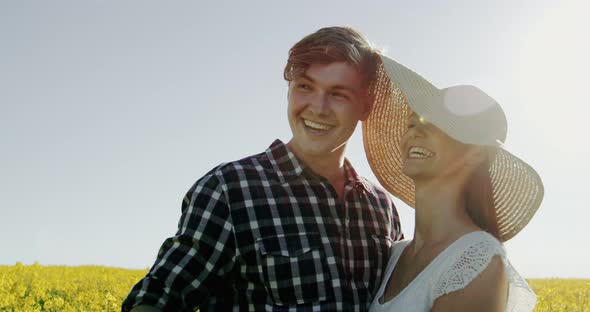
<point x="415" y="131"/>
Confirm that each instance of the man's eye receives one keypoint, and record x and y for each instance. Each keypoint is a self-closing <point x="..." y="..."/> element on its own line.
<point x="339" y="95"/>
<point x="303" y="86"/>
<point x="411" y="125"/>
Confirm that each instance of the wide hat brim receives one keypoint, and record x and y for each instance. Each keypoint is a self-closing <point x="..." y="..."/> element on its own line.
<point x="517" y="188"/>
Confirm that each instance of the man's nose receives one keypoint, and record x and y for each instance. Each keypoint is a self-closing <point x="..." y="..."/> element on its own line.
<point x="319" y="104"/>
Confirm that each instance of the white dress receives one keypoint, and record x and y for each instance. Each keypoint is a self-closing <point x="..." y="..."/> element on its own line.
<point x="453" y="269"/>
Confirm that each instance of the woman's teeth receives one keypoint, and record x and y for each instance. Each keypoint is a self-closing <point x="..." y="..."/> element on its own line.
<point x="419" y="152"/>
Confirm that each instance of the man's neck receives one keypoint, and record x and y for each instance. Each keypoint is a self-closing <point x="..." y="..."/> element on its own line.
<point x="329" y="166"/>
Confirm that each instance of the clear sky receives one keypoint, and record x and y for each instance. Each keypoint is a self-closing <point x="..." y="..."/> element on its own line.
<point x="111" y="110"/>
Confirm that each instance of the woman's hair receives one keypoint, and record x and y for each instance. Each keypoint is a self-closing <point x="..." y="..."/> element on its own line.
<point x="333" y="44"/>
<point x="479" y="199"/>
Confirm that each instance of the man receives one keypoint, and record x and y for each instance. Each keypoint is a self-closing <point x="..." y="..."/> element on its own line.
<point x="295" y="227"/>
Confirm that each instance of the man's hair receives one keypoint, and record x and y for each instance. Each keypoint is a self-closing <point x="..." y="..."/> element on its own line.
<point x="333" y="44"/>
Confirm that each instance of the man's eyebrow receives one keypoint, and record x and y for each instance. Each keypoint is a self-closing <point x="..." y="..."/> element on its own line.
<point x="336" y="87"/>
<point x="346" y="88"/>
<point x="304" y="76"/>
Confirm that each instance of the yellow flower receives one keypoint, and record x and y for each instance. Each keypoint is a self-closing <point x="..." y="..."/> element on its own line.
<point x="92" y="288"/>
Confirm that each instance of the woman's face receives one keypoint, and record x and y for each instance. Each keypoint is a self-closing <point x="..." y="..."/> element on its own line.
<point x="428" y="152"/>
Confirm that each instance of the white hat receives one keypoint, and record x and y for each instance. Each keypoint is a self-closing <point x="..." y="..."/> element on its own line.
<point x="467" y="115"/>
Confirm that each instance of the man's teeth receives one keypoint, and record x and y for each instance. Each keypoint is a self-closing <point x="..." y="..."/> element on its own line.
<point x="420" y="152"/>
<point x="316" y="126"/>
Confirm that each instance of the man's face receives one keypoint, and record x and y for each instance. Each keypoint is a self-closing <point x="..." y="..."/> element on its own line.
<point x="326" y="102"/>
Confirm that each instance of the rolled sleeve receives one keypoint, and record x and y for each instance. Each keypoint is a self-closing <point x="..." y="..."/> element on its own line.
<point x="192" y="262"/>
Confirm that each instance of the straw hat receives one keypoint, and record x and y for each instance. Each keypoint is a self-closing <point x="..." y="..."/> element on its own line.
<point x="466" y="114"/>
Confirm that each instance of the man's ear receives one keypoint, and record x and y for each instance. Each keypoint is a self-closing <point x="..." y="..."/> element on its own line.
<point x="368" y="106"/>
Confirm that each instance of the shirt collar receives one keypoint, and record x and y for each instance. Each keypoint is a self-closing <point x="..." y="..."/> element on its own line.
<point x="284" y="163"/>
<point x="288" y="167"/>
<point x="354" y="178"/>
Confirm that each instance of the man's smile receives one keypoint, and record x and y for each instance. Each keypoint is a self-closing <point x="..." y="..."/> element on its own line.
<point x="316" y="126"/>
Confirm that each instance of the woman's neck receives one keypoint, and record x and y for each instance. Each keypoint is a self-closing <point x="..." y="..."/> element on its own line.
<point x="441" y="217"/>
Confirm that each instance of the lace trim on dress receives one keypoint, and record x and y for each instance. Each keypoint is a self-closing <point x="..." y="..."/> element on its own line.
<point x="474" y="260"/>
<point x="466" y="268"/>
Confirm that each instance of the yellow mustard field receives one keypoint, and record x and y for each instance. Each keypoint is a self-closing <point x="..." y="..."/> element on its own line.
<point x="571" y="295"/>
<point x="94" y="288"/>
<point x="61" y="288"/>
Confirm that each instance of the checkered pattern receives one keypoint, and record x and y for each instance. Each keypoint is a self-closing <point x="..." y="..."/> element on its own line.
<point x="266" y="234"/>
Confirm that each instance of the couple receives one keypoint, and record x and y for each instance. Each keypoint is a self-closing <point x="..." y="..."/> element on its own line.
<point x="295" y="228"/>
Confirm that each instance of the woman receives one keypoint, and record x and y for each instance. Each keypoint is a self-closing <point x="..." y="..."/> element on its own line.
<point x="441" y="152"/>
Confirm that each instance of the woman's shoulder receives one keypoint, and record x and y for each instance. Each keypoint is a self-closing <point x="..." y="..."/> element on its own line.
<point x="489" y="288"/>
<point x="475" y="245"/>
<point x="466" y="259"/>
<point x="477" y="260"/>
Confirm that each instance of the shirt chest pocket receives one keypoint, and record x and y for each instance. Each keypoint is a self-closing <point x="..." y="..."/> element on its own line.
<point x="294" y="268"/>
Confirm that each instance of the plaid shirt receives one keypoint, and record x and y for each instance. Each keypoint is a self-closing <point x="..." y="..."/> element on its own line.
<point x="266" y="234"/>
